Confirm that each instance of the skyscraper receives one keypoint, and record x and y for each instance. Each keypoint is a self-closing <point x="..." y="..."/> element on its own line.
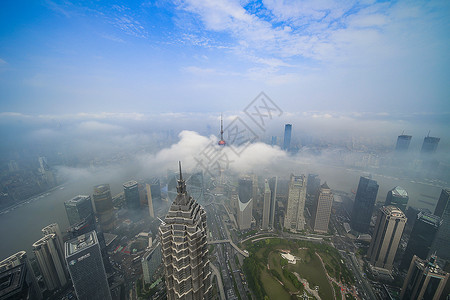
<point x="266" y="207"/>
<point x="313" y="184"/>
<point x="273" y="184"/>
<point x="441" y="244"/>
<point x="294" y="218"/>
<point x="421" y="237"/>
<point x="245" y="203"/>
<point x="104" y="206"/>
<point x="403" y="143"/>
<point x="48" y="255"/>
<point x="54" y="229"/>
<point x="151" y="260"/>
<point x="17" y="270"/>
<point x="365" y="198"/>
<point x="425" y="280"/>
<point x="155" y="188"/>
<point x="429" y="145"/>
<point x="287" y="137"/>
<point x="387" y="234"/>
<point x="78" y="208"/>
<point x="322" y="211"/>
<point x="150" y="201"/>
<point x="86" y="268"/>
<point x="131" y="191"/>
<point x="397" y="197"/>
<point x="183" y="236"/>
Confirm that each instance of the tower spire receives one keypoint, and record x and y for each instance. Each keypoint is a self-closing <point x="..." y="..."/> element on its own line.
<point x="181" y="188"/>
<point x="222" y="141"/>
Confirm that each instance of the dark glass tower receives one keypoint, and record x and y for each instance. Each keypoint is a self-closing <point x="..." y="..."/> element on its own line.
<point x="78" y="208"/>
<point x="422" y="236"/>
<point x="287" y="137"/>
<point x="425" y="280"/>
<point x="403" y="143"/>
<point x="131" y="190"/>
<point x="366" y="196"/>
<point x="429" y="145"/>
<point x="441" y="243"/>
<point x="397" y="197"/>
<point x="104" y="206"/>
<point x="184" y="246"/>
<point x="86" y="268"/>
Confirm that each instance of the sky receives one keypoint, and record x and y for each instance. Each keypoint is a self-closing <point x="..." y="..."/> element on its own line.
<point x="192" y="56"/>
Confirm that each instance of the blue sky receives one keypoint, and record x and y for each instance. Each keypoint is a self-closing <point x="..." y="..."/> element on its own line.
<point x="66" y="57"/>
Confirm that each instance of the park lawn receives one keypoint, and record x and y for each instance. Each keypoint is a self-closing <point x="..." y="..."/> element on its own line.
<point x="274" y="263"/>
<point x="311" y="269"/>
<point x="273" y="288"/>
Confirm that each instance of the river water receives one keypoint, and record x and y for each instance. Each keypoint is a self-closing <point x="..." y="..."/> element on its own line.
<point x="21" y="227"/>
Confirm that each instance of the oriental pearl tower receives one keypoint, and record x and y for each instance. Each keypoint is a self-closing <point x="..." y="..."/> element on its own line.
<point x="222" y="141"/>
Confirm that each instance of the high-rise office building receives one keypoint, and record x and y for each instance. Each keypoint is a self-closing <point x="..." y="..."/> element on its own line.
<point x="14" y="269"/>
<point x="441" y="244"/>
<point x="273" y="184"/>
<point x="54" y="229"/>
<point x="365" y="198"/>
<point x="387" y="234"/>
<point x="425" y="280"/>
<point x="245" y="203"/>
<point x="151" y="261"/>
<point x="403" y="142"/>
<point x="313" y="184"/>
<point x="397" y="197"/>
<point x="273" y="141"/>
<point x="131" y="191"/>
<point x="429" y="145"/>
<point x="16" y="283"/>
<point x="195" y="185"/>
<point x="183" y="236"/>
<point x="266" y="206"/>
<point x="421" y="237"/>
<point x="322" y="209"/>
<point x="48" y="255"/>
<point x="155" y="188"/>
<point x="104" y="207"/>
<point x="86" y="268"/>
<point x="294" y="218"/>
<point x="287" y="137"/>
<point x="150" y="201"/>
<point x="78" y="208"/>
<point x="443" y="203"/>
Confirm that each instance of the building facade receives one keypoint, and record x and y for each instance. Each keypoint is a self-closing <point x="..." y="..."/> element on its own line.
<point x="266" y="206"/>
<point x="397" y="197"/>
<point x="322" y="209"/>
<point x="386" y="237"/>
<point x="425" y="280"/>
<point x="151" y="261"/>
<point x="403" y="142"/>
<point x="421" y="238"/>
<point x="441" y="244"/>
<point x="245" y="204"/>
<point x="104" y="206"/>
<point x="294" y="219"/>
<point x="365" y="198"/>
<point x="429" y="145"/>
<point x="78" y="208"/>
<point x="48" y="255"/>
<point x="131" y="191"/>
<point x="184" y="248"/>
<point x="273" y="185"/>
<point x="150" y="201"/>
<point x="86" y="268"/>
<point x="287" y="137"/>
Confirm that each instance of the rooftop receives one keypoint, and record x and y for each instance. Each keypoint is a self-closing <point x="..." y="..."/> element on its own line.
<point x="11" y="280"/>
<point x="77" y="199"/>
<point x="398" y="191"/>
<point x="130" y="184"/>
<point x="393" y="211"/>
<point x="82" y="242"/>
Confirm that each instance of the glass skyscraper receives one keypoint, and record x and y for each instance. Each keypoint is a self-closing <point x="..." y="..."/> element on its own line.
<point x="365" y="198"/>
<point x="287" y="137"/>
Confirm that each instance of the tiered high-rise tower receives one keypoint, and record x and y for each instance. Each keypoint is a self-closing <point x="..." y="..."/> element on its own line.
<point x="294" y="218"/>
<point x="184" y="248"/>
